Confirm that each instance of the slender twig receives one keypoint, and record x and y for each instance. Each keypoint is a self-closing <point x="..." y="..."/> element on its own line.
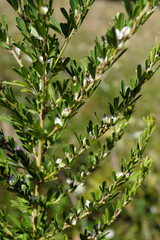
<point x="20" y="7"/>
<point x="67" y="41"/>
<point x="16" y="58"/>
<point x="13" y="106"/>
<point x="12" y="52"/>
<point x="7" y="230"/>
<point x="106" y="65"/>
<point x="39" y="157"/>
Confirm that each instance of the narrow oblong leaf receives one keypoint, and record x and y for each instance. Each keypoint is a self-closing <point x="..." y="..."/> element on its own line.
<point x="15" y="221"/>
<point x="13" y="3"/>
<point x="73" y="4"/>
<point x="22" y="27"/>
<point x="56" y="26"/>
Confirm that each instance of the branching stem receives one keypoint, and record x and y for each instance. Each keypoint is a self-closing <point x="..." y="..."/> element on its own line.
<point x="66" y="42"/>
<point x="39" y="156"/>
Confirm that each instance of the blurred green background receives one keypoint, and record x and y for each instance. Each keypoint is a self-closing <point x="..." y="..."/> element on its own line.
<point x="141" y="219"/>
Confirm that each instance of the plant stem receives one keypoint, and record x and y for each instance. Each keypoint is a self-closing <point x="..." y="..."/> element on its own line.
<point x="12" y="52"/>
<point x="39" y="157"/>
<point x="66" y="41"/>
<point x="16" y="58"/>
<point x="6" y="229"/>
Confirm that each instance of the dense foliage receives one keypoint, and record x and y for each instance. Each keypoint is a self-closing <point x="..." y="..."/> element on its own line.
<point x="31" y="164"/>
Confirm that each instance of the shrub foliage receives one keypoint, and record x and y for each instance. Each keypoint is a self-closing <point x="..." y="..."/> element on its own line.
<point x="26" y="167"/>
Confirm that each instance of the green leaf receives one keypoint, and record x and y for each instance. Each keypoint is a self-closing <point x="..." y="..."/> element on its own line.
<point x="113" y="176"/>
<point x="65" y="237"/>
<point x="74" y="5"/>
<point x="128" y="7"/>
<point x="22" y="27"/>
<point x="111" y="37"/>
<point x="123" y="88"/>
<point x="139" y="72"/>
<point x="65" y="14"/>
<point x="34" y="32"/>
<point x="38" y="67"/>
<point x="5" y="119"/>
<point x="2" y="157"/>
<point x="56" y="26"/>
<point x="152" y="55"/>
<point x="15" y="221"/>
<point x="4" y="20"/>
<point x="116" y="102"/>
<point x="13" y="3"/>
<point x="4" y="45"/>
<point x="83" y="202"/>
<point x="133" y="83"/>
<point x="65" y="29"/>
<point x="111" y="108"/>
<point x="120" y="21"/>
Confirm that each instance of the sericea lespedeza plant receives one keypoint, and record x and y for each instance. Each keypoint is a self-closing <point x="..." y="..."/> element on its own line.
<point x="39" y="121"/>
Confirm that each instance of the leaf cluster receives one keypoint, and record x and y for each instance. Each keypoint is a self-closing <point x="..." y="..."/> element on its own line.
<point x="25" y="165"/>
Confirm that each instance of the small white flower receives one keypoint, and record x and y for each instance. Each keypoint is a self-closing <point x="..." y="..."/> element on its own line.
<point x="90" y="79"/>
<point x="84" y="142"/>
<point x="39" y="37"/>
<point x="119" y="34"/>
<point x="67" y="155"/>
<point x="76" y="96"/>
<point x="102" y="60"/>
<point x="49" y="60"/>
<point x="106" y="58"/>
<point x="84" y="83"/>
<point x="69" y="181"/>
<point x="12" y="179"/>
<point x="65" y="112"/>
<point x="58" y="121"/>
<point x="127" y="174"/>
<point x="18" y="51"/>
<point x="108" y="119"/>
<point x="87" y="202"/>
<point x="41" y="59"/>
<point x="59" y="160"/>
<point x="121" y="45"/>
<point x="43" y="10"/>
<point x="80" y="189"/>
<point x="125" y="31"/>
<point x="76" y="13"/>
<point x="119" y="174"/>
<point x="74" y="79"/>
<point x="105" y="119"/>
<point x="74" y="221"/>
<point x="110" y="234"/>
<point x="82" y="174"/>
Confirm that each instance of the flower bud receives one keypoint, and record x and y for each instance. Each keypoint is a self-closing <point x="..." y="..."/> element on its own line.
<point x="43" y="10"/>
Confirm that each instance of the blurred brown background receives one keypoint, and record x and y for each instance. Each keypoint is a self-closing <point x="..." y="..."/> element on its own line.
<point x="141" y="219"/>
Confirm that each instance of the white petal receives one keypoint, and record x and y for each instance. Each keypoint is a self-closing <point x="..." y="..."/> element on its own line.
<point x="119" y="34"/>
<point x="58" y="121"/>
<point x="44" y="10"/>
<point x="119" y="174"/>
<point x="126" y="31"/>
